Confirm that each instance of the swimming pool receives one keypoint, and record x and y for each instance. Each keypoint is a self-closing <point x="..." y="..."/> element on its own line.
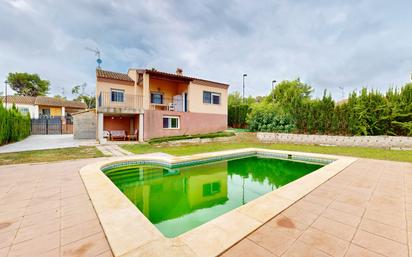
<point x="177" y="198"/>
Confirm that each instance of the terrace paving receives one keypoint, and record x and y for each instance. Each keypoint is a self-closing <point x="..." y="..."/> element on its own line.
<point x="366" y="210"/>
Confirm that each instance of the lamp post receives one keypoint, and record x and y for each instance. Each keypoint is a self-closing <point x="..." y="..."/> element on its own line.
<point x="273" y="87"/>
<point x="5" y="85"/>
<point x="244" y="75"/>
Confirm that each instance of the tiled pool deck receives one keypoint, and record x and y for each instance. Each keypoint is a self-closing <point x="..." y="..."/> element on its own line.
<point x="365" y="210"/>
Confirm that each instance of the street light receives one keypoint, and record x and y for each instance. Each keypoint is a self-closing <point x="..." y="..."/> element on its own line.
<point x="273" y="87"/>
<point x="244" y="75"/>
<point x="5" y="85"/>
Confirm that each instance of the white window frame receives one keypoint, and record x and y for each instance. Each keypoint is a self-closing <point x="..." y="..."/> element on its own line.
<point x="24" y="110"/>
<point x="216" y="94"/>
<point x="117" y="91"/>
<point x="170" y="121"/>
<point x="211" y="97"/>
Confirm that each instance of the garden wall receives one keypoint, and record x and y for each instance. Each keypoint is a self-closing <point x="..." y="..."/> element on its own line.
<point x="84" y="125"/>
<point x="364" y="141"/>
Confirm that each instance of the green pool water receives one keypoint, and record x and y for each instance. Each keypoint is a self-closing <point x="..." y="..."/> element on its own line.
<point x="177" y="200"/>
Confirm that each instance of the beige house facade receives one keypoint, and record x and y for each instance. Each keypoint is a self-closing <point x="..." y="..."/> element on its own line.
<point x="43" y="106"/>
<point x="150" y="104"/>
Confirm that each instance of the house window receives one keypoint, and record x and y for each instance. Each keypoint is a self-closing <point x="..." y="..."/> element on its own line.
<point x="117" y="95"/>
<point x="23" y="110"/>
<point x="156" y="98"/>
<point x="171" y="122"/>
<point x="211" y="98"/>
<point x="45" y="113"/>
<point x="211" y="189"/>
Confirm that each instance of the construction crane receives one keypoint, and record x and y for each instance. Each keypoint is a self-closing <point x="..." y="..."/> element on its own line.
<point x="97" y="53"/>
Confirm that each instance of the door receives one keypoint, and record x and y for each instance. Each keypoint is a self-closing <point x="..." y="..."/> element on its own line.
<point x="185" y="102"/>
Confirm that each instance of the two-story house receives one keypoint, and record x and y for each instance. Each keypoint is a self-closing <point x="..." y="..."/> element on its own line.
<point x="157" y="104"/>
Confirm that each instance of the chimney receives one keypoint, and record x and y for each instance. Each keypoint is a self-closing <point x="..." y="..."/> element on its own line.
<point x="179" y="71"/>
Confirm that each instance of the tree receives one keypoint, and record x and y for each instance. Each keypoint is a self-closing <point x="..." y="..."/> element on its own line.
<point x="28" y="84"/>
<point x="60" y="97"/>
<point x="89" y="100"/>
<point x="269" y="117"/>
<point x="238" y="108"/>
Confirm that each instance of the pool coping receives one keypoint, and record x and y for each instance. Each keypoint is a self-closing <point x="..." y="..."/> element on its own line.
<point x="130" y="233"/>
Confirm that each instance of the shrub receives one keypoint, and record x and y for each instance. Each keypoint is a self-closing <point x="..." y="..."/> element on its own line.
<point x="268" y="117"/>
<point x="14" y="126"/>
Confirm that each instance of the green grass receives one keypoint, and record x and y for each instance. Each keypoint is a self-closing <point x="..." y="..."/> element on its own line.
<point x="50" y="155"/>
<point x="174" y="138"/>
<point x="372" y="153"/>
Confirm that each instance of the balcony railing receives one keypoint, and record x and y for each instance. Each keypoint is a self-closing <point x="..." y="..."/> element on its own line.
<point x="128" y="103"/>
<point x="169" y="104"/>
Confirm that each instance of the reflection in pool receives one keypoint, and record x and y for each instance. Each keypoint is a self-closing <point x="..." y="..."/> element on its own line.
<point x="177" y="200"/>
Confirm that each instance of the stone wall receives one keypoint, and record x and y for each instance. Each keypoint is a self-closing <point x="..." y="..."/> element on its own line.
<point x="364" y="141"/>
<point x="84" y="125"/>
<point x="196" y="141"/>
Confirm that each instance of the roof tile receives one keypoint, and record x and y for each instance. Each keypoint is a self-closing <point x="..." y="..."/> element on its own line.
<point x="113" y="75"/>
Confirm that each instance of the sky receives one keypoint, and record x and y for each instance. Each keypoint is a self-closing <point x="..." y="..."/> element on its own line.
<point x="326" y="43"/>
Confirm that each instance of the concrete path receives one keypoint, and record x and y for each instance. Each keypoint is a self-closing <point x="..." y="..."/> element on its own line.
<point x="113" y="150"/>
<point x="366" y="210"/>
<point x="41" y="142"/>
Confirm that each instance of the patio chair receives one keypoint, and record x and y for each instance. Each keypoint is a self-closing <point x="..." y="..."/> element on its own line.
<point x="106" y="134"/>
<point x="171" y="107"/>
<point x="133" y="136"/>
<point x="118" y="134"/>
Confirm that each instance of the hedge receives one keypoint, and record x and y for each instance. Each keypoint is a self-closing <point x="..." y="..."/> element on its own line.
<point x="14" y="125"/>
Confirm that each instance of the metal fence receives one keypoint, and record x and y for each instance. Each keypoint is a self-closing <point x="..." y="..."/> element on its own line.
<point x="46" y="126"/>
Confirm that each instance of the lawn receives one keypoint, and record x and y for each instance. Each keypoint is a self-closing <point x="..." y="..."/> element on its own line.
<point x="50" y="155"/>
<point x="242" y="142"/>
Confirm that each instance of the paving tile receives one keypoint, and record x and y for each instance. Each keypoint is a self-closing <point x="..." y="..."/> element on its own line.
<point x="384" y="230"/>
<point x="52" y="253"/>
<point x="309" y="206"/>
<point x="80" y="231"/>
<point x="36" y="230"/>
<point x="36" y="246"/>
<point x="387" y="217"/>
<point x="40" y="205"/>
<point x="13" y="205"/>
<point x="300" y="216"/>
<point x="286" y="225"/>
<point x="244" y="249"/>
<point x="9" y="223"/>
<point x="348" y="208"/>
<point x="300" y="249"/>
<point x="353" y="199"/>
<point x="89" y="246"/>
<point x="40" y="218"/>
<point x="4" y="251"/>
<point x="327" y="243"/>
<point x="276" y="242"/>
<point x="76" y="218"/>
<point x="334" y="228"/>
<point x="342" y="217"/>
<point x="318" y="199"/>
<point x="105" y="254"/>
<point x="356" y="251"/>
<point x="380" y="244"/>
<point x="6" y="238"/>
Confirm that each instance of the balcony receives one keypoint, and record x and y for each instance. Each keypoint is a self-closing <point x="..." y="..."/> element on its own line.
<point x="127" y="103"/>
<point x="176" y="104"/>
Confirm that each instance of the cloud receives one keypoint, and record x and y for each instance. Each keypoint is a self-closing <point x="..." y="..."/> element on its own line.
<point x="328" y="44"/>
